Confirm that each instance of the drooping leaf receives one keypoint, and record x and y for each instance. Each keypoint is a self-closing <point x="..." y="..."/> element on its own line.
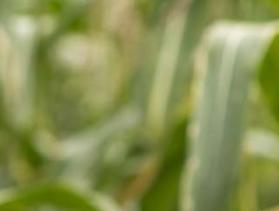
<point x="49" y="195"/>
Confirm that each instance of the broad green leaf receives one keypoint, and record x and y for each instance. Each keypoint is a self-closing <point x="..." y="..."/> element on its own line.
<point x="49" y="195"/>
<point x="172" y="77"/>
<point x="232" y="53"/>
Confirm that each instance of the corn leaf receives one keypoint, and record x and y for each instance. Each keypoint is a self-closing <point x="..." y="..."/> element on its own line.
<point x="232" y="53"/>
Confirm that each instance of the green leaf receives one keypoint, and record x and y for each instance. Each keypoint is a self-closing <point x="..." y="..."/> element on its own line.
<point x="183" y="30"/>
<point x="232" y="52"/>
<point x="165" y="73"/>
<point x="268" y="78"/>
<point x="163" y="195"/>
<point x="178" y="43"/>
<point x="17" y="77"/>
<point x="49" y="195"/>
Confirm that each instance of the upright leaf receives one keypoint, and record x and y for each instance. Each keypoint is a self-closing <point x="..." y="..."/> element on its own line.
<point x="232" y="52"/>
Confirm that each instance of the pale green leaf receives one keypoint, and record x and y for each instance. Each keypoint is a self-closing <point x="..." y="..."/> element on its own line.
<point x="232" y="53"/>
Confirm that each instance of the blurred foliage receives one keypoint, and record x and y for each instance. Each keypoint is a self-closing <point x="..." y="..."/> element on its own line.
<point x="99" y="102"/>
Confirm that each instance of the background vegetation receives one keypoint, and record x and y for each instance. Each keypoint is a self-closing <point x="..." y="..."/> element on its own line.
<point x="139" y="105"/>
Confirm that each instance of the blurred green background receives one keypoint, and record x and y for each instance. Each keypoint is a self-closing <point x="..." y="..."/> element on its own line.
<point x="102" y="100"/>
